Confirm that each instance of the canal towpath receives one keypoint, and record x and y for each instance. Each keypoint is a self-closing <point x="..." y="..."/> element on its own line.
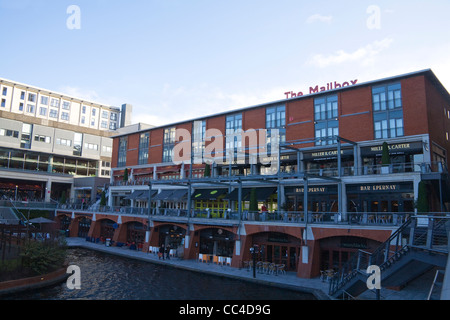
<point x="418" y="290"/>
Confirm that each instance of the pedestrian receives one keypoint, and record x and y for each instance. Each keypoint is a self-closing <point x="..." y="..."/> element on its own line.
<point x="161" y="252"/>
<point x="168" y="252"/>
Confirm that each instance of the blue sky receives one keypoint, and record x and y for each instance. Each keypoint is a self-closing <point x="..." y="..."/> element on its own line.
<point x="180" y="59"/>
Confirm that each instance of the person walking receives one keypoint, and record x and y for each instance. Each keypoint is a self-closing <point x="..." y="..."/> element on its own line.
<point x="168" y="252"/>
<point x="161" y="252"/>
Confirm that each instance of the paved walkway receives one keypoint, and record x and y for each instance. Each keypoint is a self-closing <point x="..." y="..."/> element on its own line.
<point x="417" y="290"/>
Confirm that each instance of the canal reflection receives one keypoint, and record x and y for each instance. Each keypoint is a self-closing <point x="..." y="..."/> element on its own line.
<point x="108" y="277"/>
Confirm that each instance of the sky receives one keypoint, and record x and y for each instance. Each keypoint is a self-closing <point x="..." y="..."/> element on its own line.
<point x="176" y="60"/>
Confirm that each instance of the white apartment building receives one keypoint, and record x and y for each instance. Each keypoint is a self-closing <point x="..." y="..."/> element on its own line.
<point x="52" y="143"/>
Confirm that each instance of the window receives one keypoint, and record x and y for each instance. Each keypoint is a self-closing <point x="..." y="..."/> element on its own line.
<point x="107" y="149"/>
<point x="387" y="111"/>
<point x="233" y="141"/>
<point x="40" y="138"/>
<point x="43" y="111"/>
<point x="112" y="126"/>
<point x="326" y="120"/>
<point x="113" y="116"/>
<point x="21" y="106"/>
<point x="66" y="105"/>
<point x="31" y="97"/>
<point x="198" y="145"/>
<point x="169" y="144"/>
<point x="276" y="119"/>
<point x="53" y="113"/>
<point x="3" y="104"/>
<point x="44" y="100"/>
<point x="9" y="133"/>
<point x="144" y="141"/>
<point x="54" y="103"/>
<point x="91" y="146"/>
<point x="105" y="114"/>
<point x="122" y="154"/>
<point x="64" y="142"/>
<point x="27" y="130"/>
<point x="94" y="112"/>
<point x="30" y="108"/>
<point x="104" y="124"/>
<point x="326" y="108"/>
<point x="83" y="120"/>
<point x="22" y="95"/>
<point x="83" y="110"/>
<point x="387" y="97"/>
<point x="64" y="116"/>
<point x="77" y="144"/>
<point x="5" y="91"/>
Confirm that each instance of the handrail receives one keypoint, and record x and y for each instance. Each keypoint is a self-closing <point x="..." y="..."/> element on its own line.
<point x="384" y="253"/>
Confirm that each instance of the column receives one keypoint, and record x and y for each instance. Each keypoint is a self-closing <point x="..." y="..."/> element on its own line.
<point x="48" y="190"/>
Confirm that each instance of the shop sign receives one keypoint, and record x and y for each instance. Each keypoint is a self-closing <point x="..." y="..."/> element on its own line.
<point x="393" y="148"/>
<point x="326" y="154"/>
<point x="317" y="89"/>
<point x="379" y="187"/>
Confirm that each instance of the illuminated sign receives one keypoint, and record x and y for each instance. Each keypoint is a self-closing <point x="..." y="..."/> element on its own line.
<point x="317" y="89"/>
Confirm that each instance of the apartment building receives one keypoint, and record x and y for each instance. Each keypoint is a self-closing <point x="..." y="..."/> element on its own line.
<point x="52" y="143"/>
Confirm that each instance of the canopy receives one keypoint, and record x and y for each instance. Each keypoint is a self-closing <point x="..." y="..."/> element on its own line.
<point x="208" y="194"/>
<point x="163" y="195"/>
<point x="41" y="220"/>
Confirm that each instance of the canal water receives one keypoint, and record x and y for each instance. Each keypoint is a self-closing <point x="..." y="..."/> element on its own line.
<point x="108" y="277"/>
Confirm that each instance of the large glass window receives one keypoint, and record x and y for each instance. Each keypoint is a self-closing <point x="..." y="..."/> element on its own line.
<point x="387" y="111"/>
<point x="27" y="131"/>
<point x="275" y="119"/>
<point x="198" y="144"/>
<point x="77" y="144"/>
<point x="122" y="154"/>
<point x="326" y="120"/>
<point x="144" y="140"/>
<point x="233" y="134"/>
<point x="169" y="144"/>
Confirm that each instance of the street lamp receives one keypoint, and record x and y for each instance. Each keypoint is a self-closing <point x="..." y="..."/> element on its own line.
<point x="254" y="251"/>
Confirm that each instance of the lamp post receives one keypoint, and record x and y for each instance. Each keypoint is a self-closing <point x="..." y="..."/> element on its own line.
<point x="254" y="252"/>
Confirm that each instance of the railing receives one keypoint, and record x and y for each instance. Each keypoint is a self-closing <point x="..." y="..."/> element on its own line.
<point x="406" y="167"/>
<point x="425" y="232"/>
<point x="294" y="217"/>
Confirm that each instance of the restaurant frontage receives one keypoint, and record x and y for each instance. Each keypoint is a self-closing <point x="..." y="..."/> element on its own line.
<point x="381" y="197"/>
<point x="278" y="248"/>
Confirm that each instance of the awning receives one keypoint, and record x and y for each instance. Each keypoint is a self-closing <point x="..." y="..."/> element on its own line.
<point x="177" y="195"/>
<point x="133" y="195"/>
<point x="233" y="196"/>
<point x="163" y="195"/>
<point x="208" y="194"/>
<point x="144" y="195"/>
<point x="262" y="194"/>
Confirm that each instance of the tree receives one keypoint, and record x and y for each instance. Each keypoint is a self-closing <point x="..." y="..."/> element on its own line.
<point x="63" y="200"/>
<point x="422" y="199"/>
<point x="385" y="157"/>
<point x="103" y="199"/>
<point x="207" y="172"/>
<point x="253" y="201"/>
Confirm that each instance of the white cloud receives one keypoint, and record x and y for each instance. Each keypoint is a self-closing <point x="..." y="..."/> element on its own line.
<point x="319" y="18"/>
<point x="364" y="55"/>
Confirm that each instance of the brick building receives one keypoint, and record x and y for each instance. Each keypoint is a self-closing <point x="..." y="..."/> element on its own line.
<point x="330" y="149"/>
